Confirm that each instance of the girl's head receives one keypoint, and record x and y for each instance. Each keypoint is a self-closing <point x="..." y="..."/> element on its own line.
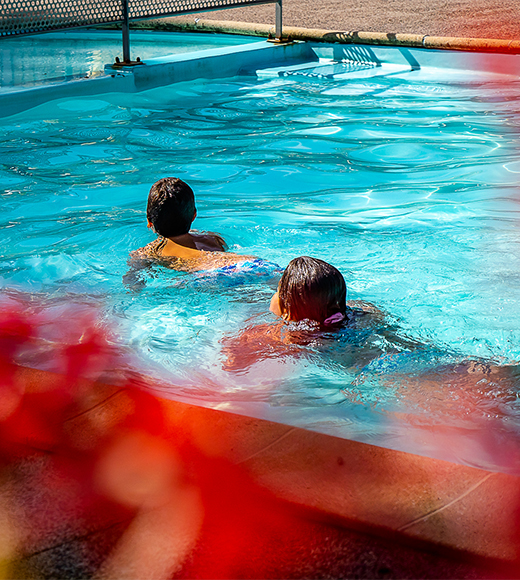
<point x="310" y="288"/>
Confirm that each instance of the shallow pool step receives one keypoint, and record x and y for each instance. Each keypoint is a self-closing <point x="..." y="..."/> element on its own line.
<point x="321" y="70"/>
<point x="334" y="70"/>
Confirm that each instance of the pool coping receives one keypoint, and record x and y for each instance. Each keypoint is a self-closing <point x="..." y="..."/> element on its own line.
<point x="195" y="23"/>
<point x="442" y="507"/>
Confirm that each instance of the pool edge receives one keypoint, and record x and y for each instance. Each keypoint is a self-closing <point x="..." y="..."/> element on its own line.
<point x="441" y="506"/>
<point x="214" y="63"/>
<point x="194" y="23"/>
<point x="224" y="62"/>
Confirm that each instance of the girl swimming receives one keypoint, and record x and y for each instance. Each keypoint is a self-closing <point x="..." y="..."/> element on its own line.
<point x="311" y="302"/>
<point x="311" y="289"/>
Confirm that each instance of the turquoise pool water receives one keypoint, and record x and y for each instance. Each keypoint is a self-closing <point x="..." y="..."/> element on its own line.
<point x="408" y="183"/>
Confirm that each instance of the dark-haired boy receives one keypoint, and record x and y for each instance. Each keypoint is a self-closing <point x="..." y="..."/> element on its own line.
<point x="170" y="212"/>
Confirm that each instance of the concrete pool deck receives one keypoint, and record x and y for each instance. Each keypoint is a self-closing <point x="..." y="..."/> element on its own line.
<point x="277" y="501"/>
<point x="455" y="18"/>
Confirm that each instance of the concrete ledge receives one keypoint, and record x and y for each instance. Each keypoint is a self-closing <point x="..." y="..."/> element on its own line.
<point x="211" y="63"/>
<point x="246" y="58"/>
<point x="217" y="63"/>
<point x="21" y="99"/>
<point x="342" y="37"/>
<point x="437" y="502"/>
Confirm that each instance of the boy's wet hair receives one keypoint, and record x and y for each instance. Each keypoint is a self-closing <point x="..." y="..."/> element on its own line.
<point x="171" y="207"/>
<point x="311" y="288"/>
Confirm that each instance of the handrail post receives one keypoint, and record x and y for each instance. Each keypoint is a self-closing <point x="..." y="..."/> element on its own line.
<point x="278" y="30"/>
<point x="126" y="33"/>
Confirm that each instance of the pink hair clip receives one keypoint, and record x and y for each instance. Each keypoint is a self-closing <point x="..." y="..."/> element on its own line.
<point x="338" y="317"/>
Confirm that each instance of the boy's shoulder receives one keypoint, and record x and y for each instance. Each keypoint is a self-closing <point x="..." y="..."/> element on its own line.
<point x="208" y="241"/>
<point x="152" y="254"/>
<point x="151" y="251"/>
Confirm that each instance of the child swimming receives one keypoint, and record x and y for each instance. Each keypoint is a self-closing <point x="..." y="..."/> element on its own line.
<point x="170" y="213"/>
<point x="315" y="321"/>
<point x="311" y="289"/>
<point x="310" y="303"/>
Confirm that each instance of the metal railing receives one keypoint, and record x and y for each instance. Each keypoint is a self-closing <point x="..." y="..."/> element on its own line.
<point x="20" y="17"/>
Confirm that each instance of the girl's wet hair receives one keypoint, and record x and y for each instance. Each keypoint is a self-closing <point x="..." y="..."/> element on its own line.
<point x="171" y="207"/>
<point x="311" y="288"/>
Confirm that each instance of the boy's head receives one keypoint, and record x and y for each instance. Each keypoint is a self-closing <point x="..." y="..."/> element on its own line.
<point x="311" y="288"/>
<point x="171" y="207"/>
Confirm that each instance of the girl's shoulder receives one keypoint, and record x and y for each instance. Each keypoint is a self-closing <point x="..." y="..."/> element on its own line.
<point x="362" y="306"/>
<point x="360" y="312"/>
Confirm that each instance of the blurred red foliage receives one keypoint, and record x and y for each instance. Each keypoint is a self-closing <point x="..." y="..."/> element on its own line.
<point x="79" y="458"/>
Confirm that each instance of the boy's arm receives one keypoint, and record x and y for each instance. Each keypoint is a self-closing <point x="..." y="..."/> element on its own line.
<point x="134" y="279"/>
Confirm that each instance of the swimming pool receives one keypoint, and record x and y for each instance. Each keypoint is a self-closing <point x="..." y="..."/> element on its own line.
<point x="58" y="56"/>
<point x="406" y="179"/>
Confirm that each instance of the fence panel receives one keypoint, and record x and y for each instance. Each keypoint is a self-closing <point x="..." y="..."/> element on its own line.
<point x="36" y="16"/>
